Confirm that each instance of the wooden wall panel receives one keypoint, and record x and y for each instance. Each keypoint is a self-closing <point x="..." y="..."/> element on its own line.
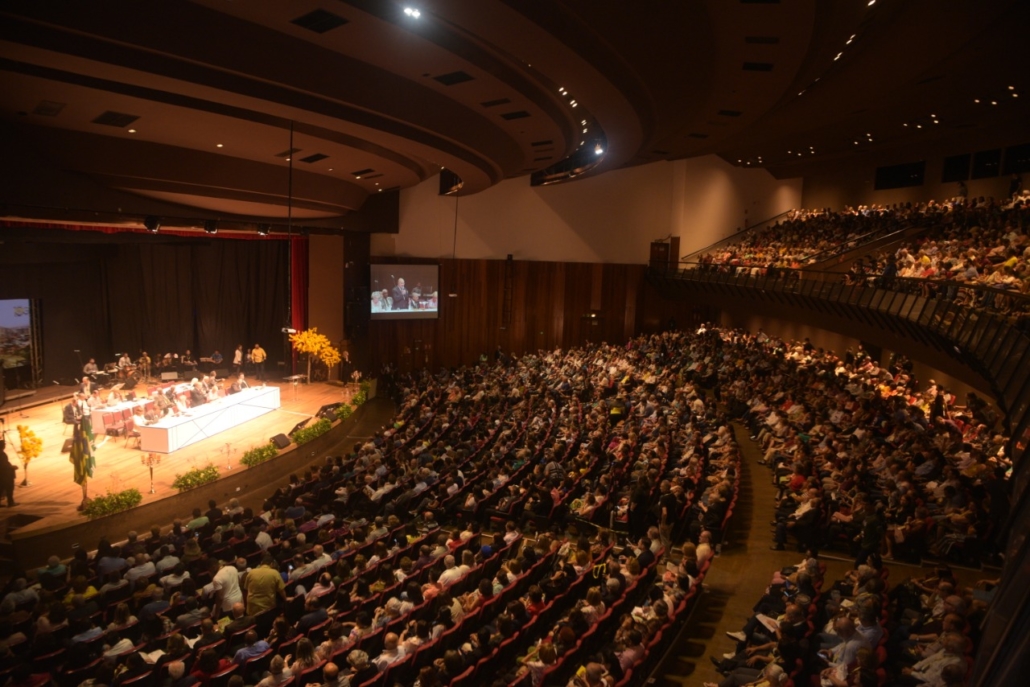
<point x="551" y="307"/>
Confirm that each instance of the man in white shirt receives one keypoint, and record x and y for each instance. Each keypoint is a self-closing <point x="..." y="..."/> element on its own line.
<point x="224" y="586"/>
<point x="140" y="566"/>
<point x="391" y="652"/>
<point x="451" y="573"/>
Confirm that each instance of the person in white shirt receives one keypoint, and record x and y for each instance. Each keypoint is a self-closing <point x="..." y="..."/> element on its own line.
<point x="140" y="566"/>
<point x="451" y="573"/>
<point x="391" y="653"/>
<point x="224" y="586"/>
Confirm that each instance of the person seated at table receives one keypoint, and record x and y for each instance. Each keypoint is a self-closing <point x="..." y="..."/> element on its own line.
<point x="114" y="398"/>
<point x="216" y="357"/>
<point x="197" y="394"/>
<point x="239" y="384"/>
<point x="94" y="400"/>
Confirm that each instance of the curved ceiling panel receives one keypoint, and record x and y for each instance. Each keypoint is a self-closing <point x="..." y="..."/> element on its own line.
<point x="207" y="104"/>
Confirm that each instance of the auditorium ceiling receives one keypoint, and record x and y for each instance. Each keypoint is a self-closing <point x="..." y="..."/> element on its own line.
<point x="201" y="109"/>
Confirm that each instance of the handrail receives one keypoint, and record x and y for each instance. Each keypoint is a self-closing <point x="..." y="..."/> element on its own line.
<point x="737" y="235"/>
<point x="857" y="242"/>
<point x="931" y="288"/>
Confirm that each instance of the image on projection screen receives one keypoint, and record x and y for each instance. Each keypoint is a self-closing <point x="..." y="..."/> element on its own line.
<point x="15" y="333"/>
<point x="404" y="292"/>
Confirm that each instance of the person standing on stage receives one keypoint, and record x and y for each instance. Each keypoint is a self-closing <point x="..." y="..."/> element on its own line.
<point x="81" y="457"/>
<point x="87" y="387"/>
<point x="258" y="357"/>
<point x="144" y="365"/>
<point x="6" y="469"/>
<point x="237" y="360"/>
<point x="400" y="296"/>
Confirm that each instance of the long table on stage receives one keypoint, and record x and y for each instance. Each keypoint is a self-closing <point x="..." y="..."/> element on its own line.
<point x="115" y="413"/>
<point x="172" y="433"/>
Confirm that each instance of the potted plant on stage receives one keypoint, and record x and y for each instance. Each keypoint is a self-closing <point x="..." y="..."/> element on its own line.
<point x="316" y="347"/>
<point x="31" y="447"/>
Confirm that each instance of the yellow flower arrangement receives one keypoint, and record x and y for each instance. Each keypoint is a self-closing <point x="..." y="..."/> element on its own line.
<point x="316" y="347"/>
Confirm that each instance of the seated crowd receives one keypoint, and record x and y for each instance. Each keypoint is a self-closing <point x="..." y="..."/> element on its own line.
<point x="981" y="242"/>
<point x="405" y="561"/>
<point x="867" y="463"/>
<point x="808" y="236"/>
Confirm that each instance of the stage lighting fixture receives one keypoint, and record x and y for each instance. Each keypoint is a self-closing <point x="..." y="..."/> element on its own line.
<point x="263" y="229"/>
<point x="412" y="12"/>
<point x="211" y="226"/>
<point x="153" y="224"/>
<point x="598" y="150"/>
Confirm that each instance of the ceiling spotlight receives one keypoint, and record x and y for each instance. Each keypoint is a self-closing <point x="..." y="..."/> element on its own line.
<point x="598" y="150"/>
<point x="412" y="12"/>
<point x="263" y="229"/>
<point x="838" y="56"/>
<point x="152" y="223"/>
<point x="994" y="102"/>
<point x="919" y="126"/>
<point x="856" y="142"/>
<point x="210" y="226"/>
<point x="1015" y="95"/>
<point x="132" y="131"/>
<point x="871" y="3"/>
<point x="905" y="124"/>
<point x="584" y="130"/>
<point x="218" y="145"/>
<point x="976" y="100"/>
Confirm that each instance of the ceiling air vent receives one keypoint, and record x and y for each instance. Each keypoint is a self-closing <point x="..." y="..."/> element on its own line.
<point x="362" y="172"/>
<point x="48" y="108"/>
<point x="758" y="66"/>
<point x="453" y="78"/>
<point x="119" y="119"/>
<point x="373" y="176"/>
<point x="542" y="159"/>
<point x="518" y="114"/>
<point x="495" y="103"/>
<point x="310" y="159"/>
<point x="542" y="143"/>
<point x="730" y="113"/>
<point x="319" y="21"/>
<point x="288" y="153"/>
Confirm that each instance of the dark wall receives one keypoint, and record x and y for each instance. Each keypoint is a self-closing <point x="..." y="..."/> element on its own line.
<point x="550" y="306"/>
<point x="106" y="293"/>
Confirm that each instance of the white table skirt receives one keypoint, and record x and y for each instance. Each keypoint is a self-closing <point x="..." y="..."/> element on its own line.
<point x="174" y="432"/>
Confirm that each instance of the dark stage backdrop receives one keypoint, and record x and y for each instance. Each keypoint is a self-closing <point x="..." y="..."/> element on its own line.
<point x="107" y="293"/>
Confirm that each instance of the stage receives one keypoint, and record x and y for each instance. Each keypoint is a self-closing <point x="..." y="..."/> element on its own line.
<point x="51" y="498"/>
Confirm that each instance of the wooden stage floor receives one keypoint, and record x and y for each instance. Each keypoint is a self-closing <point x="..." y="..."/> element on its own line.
<point x="52" y="496"/>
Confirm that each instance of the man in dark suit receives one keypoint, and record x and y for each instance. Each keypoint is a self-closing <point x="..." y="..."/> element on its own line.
<point x="240" y="621"/>
<point x="314" y="615"/>
<point x="646" y="556"/>
<point x="400" y="296"/>
<point x="87" y="387"/>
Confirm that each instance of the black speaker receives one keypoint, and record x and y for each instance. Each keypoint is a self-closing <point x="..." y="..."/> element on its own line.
<point x="222" y="374"/>
<point x="328" y="411"/>
<point x="299" y="425"/>
<point x="281" y="441"/>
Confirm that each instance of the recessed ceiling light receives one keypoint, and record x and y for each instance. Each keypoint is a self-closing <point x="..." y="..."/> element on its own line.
<point x="330" y="169"/>
<point x="905" y="124"/>
<point x="994" y="102"/>
<point x="132" y="131"/>
<point x="218" y="145"/>
<point x="856" y="142"/>
<point x="976" y="100"/>
<point x="919" y="126"/>
<point x="412" y="12"/>
<point x="838" y="56"/>
<point x="584" y="130"/>
<point x="1015" y="95"/>
<point x="358" y="177"/>
<point x="1012" y="88"/>
<point x="380" y="190"/>
<point x="871" y="3"/>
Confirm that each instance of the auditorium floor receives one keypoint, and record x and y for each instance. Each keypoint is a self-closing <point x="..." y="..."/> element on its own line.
<point x="736" y="580"/>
